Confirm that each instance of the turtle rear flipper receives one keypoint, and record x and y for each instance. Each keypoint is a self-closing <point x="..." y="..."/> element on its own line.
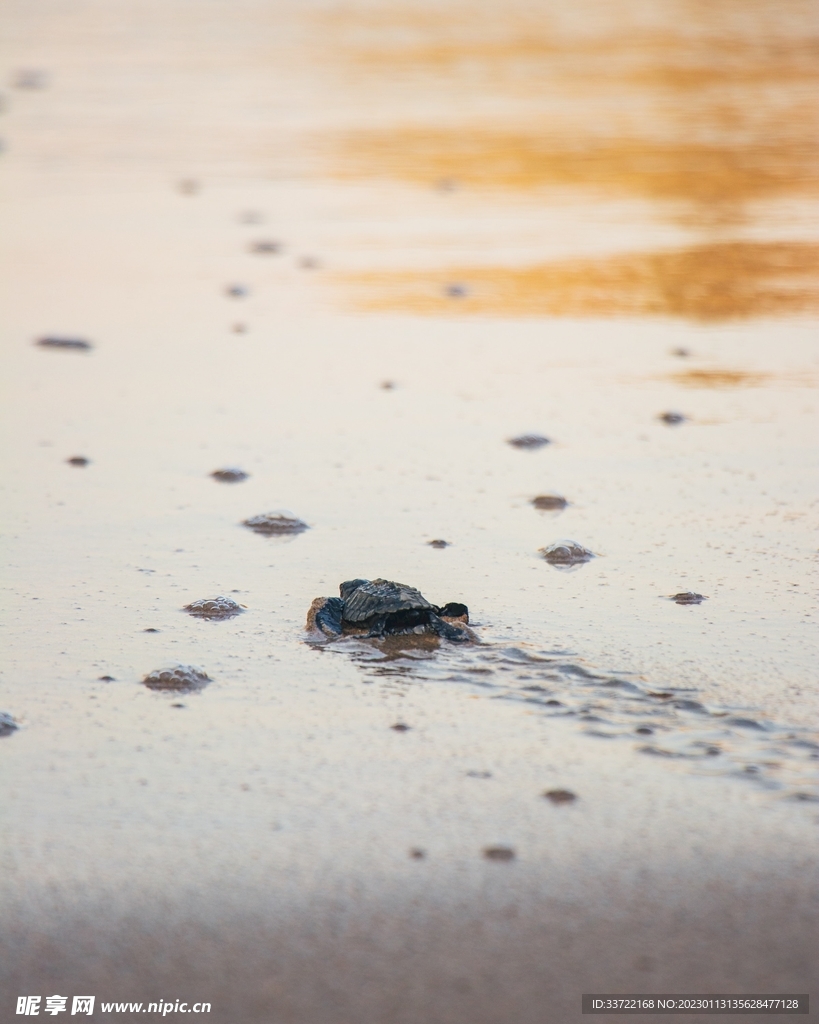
<point x="325" y="615"/>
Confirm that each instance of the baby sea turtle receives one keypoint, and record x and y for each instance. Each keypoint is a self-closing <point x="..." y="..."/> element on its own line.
<point x="275" y="523"/>
<point x="672" y="419"/>
<point x="566" y="552"/>
<point x="214" y="608"/>
<point x="378" y="608"/>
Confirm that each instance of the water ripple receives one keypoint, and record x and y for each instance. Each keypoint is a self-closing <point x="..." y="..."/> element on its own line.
<point x="669" y="724"/>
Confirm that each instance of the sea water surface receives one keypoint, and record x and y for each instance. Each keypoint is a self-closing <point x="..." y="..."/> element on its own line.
<point x="354" y="250"/>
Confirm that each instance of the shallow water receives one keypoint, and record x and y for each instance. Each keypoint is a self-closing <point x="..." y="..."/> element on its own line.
<point x="190" y="192"/>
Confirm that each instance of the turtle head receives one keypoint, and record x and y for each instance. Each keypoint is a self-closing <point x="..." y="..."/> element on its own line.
<point x="349" y="587"/>
<point x="455" y="610"/>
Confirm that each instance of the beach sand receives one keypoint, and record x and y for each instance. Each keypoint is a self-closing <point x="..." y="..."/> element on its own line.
<point x="354" y="250"/>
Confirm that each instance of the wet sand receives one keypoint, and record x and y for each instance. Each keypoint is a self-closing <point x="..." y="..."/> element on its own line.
<point x="216" y="202"/>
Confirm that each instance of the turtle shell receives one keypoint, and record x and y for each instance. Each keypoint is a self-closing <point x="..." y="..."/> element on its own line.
<point x="380" y="597"/>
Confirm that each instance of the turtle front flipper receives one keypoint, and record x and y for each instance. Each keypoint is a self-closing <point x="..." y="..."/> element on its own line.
<point x="325" y="615"/>
<point x="457" y="634"/>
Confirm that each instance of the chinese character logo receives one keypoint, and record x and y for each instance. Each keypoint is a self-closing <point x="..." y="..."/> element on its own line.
<point x="30" y="1005"/>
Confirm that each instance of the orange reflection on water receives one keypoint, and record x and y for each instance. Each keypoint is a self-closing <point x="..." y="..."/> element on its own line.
<point x="720" y="378"/>
<point x="539" y="52"/>
<point x="707" y="173"/>
<point x="717" y="105"/>
<point x="709" y="282"/>
<point x="706" y="110"/>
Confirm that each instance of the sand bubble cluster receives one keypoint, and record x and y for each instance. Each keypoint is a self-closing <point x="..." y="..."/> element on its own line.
<point x="566" y="552"/>
<point x="214" y="608"/>
<point x="275" y="523"/>
<point x="177" y="679"/>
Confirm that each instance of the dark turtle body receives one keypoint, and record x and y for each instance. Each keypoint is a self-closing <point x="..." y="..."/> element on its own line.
<point x="378" y="608"/>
